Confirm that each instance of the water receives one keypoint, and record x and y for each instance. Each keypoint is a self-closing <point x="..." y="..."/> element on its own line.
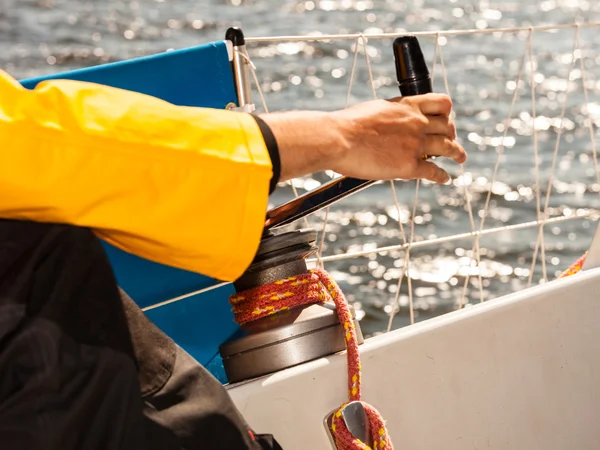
<point x="45" y="36"/>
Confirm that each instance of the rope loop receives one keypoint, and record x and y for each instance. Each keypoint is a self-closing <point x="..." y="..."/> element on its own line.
<point x="317" y="286"/>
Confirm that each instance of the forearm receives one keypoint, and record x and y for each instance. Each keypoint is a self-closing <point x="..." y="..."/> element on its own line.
<point x="187" y="187"/>
<point x="308" y="141"/>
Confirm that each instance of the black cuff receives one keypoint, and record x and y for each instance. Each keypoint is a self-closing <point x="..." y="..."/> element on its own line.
<point x="273" y="149"/>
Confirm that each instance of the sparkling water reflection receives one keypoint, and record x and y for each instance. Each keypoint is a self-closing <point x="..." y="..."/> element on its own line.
<point x="44" y="36"/>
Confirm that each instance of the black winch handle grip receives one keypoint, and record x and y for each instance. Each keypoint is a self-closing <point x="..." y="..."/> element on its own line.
<point x="413" y="79"/>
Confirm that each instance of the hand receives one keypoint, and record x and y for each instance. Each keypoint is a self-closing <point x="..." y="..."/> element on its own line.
<point x="380" y="139"/>
<point x="388" y="139"/>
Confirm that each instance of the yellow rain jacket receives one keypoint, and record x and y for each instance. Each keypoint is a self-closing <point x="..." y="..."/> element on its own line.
<point x="186" y="187"/>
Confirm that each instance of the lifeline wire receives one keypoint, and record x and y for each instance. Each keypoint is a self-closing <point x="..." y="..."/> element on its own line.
<point x="542" y="216"/>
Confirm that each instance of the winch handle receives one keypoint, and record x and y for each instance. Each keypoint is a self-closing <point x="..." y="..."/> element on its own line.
<point x="413" y="79"/>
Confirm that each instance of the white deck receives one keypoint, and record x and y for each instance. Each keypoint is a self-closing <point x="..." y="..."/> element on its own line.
<point x="519" y="372"/>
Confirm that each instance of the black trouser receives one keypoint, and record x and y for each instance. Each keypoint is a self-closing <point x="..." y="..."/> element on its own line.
<point x="81" y="367"/>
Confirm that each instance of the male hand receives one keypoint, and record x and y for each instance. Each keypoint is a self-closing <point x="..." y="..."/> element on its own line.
<point x="379" y="140"/>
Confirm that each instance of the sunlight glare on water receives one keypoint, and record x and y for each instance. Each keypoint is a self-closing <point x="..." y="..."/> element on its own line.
<point x="44" y="36"/>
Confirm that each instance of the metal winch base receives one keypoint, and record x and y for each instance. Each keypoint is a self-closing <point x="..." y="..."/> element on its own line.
<point x="290" y="337"/>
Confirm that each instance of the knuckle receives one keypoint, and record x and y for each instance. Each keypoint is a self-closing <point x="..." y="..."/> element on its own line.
<point x="436" y="141"/>
<point x="446" y="104"/>
<point x="413" y="102"/>
<point x="418" y="121"/>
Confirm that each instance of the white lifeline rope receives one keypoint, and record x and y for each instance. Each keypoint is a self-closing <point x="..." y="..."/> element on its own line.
<point x="264" y="105"/>
<point x="536" y="159"/>
<point x="396" y="298"/>
<point x="407" y="254"/>
<point x="467" y="198"/>
<point x="348" y="95"/>
<point x="404" y="270"/>
<point x="500" y="153"/>
<point x="559" y="133"/>
<point x="593" y="214"/>
<point x="587" y="111"/>
<point x="333" y="37"/>
<point x="184" y="296"/>
<point x="474" y="234"/>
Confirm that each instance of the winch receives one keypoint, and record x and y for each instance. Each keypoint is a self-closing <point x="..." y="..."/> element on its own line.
<point x="290" y="337"/>
<point x="302" y="333"/>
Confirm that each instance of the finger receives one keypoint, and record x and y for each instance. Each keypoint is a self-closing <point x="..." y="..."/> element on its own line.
<point x="436" y="145"/>
<point x="432" y="104"/>
<point x="440" y="125"/>
<point x="432" y="172"/>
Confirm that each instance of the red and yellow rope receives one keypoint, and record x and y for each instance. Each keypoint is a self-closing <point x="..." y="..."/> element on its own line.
<point x="317" y="286"/>
<point x="575" y="267"/>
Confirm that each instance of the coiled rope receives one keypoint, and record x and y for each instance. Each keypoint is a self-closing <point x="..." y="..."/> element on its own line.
<point x="317" y="286"/>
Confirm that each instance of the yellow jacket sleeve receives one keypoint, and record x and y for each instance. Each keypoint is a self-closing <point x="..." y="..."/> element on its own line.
<point x="186" y="187"/>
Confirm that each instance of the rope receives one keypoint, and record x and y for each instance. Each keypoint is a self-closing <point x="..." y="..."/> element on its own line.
<point x="592" y="213"/>
<point x="468" y="32"/>
<point x="263" y="102"/>
<point x="316" y="286"/>
<point x="536" y="162"/>
<point x="542" y="220"/>
<point x="559" y="133"/>
<point x="184" y="296"/>
<point x="575" y="267"/>
<point x="587" y="213"/>
<point x="359" y="41"/>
